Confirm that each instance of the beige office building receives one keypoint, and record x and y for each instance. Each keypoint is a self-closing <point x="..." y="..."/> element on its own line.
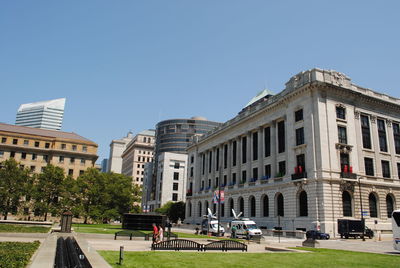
<point x="138" y="152"/>
<point x="34" y="148"/>
<point x="117" y="147"/>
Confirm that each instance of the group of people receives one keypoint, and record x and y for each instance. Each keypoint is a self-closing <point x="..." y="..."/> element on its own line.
<point x="158" y="233"/>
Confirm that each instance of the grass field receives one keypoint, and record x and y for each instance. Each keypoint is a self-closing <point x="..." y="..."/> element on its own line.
<point x="325" y="258"/>
<point x="18" y="228"/>
<point x="16" y="254"/>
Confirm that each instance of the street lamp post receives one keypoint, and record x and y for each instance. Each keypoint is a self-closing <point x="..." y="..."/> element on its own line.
<point x="361" y="205"/>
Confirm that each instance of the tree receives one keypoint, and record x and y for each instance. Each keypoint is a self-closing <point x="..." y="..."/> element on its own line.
<point x="48" y="189"/>
<point x="69" y="195"/>
<point x="14" y="185"/>
<point x="173" y="210"/>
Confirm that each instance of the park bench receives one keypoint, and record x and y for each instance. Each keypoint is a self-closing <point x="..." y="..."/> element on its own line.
<point x="172" y="235"/>
<point x="177" y="244"/>
<point x="225" y="245"/>
<point x="128" y="233"/>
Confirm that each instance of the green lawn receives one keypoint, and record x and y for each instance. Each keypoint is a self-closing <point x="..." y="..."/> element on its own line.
<point x="16" y="254"/>
<point x="18" y="228"/>
<point x="321" y="258"/>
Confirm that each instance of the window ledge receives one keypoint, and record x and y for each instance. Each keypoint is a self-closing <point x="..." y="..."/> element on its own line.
<point x="301" y="146"/>
<point x="341" y="120"/>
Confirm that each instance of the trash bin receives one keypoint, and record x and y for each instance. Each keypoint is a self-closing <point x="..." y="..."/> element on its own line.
<point x="66" y="222"/>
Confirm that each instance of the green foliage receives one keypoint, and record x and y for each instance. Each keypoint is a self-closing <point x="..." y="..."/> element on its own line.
<point x="16" y="254"/>
<point x="15" y="183"/>
<point x="19" y="228"/>
<point x="105" y="196"/>
<point x="48" y="189"/>
<point x="319" y="258"/>
<point x="173" y="210"/>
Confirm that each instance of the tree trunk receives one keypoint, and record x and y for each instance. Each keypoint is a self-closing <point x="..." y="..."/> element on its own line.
<point x="45" y="216"/>
<point x="85" y="221"/>
<point x="5" y="215"/>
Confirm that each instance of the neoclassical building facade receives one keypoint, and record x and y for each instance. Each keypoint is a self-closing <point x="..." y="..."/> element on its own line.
<point x="322" y="149"/>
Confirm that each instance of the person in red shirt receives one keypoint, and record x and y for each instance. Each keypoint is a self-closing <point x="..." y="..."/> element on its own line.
<point x="155" y="233"/>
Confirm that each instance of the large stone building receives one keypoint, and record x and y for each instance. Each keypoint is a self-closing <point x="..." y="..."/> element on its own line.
<point x="323" y="149"/>
<point x="117" y="147"/>
<point x="138" y="152"/>
<point x="34" y="148"/>
<point x="42" y="114"/>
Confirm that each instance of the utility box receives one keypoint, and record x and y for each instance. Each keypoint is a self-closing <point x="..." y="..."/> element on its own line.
<point x="66" y="222"/>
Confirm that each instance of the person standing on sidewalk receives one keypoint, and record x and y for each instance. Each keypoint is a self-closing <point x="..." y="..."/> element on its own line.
<point x="155" y="233"/>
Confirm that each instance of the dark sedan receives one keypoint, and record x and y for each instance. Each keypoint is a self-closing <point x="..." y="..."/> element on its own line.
<point x="317" y="235"/>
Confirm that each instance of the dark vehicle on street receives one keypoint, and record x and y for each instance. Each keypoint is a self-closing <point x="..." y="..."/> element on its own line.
<point x="317" y="235"/>
<point x="353" y="228"/>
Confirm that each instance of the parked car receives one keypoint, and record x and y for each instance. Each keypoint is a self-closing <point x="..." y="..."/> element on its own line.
<point x="317" y="235"/>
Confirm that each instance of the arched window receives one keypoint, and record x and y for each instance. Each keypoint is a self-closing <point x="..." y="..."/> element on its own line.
<point x="241" y="205"/>
<point x="231" y="207"/>
<point x="214" y="208"/>
<point x="222" y="210"/>
<point x="199" y="209"/>
<point x="373" y="206"/>
<point x="206" y="207"/>
<point x="389" y="205"/>
<point x="303" y="205"/>
<point x="279" y="205"/>
<point x="265" y="205"/>
<point x="346" y="203"/>
<point x="252" y="206"/>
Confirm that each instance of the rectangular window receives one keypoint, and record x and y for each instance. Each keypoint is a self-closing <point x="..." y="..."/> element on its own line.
<point x="342" y="134"/>
<point x="385" y="169"/>
<point x="175" y="186"/>
<point x="396" y="135"/>
<point x="244" y="176"/>
<point x="225" y="155"/>
<point x="63" y="146"/>
<point x="37" y="144"/>
<point x="281" y="168"/>
<point x="255" y="173"/>
<point x="174" y="197"/>
<point x="3" y="140"/>
<point x="82" y="161"/>
<point x="46" y="158"/>
<point x="398" y="170"/>
<point x="1" y="153"/>
<point x="299" y="136"/>
<point x="298" y="115"/>
<point x="84" y="148"/>
<point x="340" y="112"/>
<point x="204" y="163"/>
<point x="47" y="145"/>
<point x="176" y="165"/>
<point x="26" y="142"/>
<point x="234" y="178"/>
<point x="176" y="176"/>
<point x="23" y="155"/>
<point x="281" y="136"/>
<point x="267" y="171"/>
<point x="225" y="179"/>
<point x="12" y="154"/>
<point x="267" y="141"/>
<point x="81" y="172"/>
<point x="366" y="133"/>
<point x="191" y="159"/>
<point x="70" y="172"/>
<point x="382" y="135"/>
<point x="369" y="166"/>
<point x="255" y="146"/>
<point x="234" y="150"/>
<point x="61" y="159"/>
<point x="344" y="162"/>
<point x="74" y="147"/>
<point x="209" y="161"/>
<point x="301" y="162"/>
<point x="217" y="160"/>
<point x="34" y="156"/>
<point x="72" y="160"/>
<point x="33" y="168"/>
<point x="191" y="172"/>
<point x="244" y="150"/>
<point x="15" y="141"/>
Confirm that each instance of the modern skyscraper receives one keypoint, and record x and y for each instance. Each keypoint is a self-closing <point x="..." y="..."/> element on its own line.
<point x="42" y="114"/>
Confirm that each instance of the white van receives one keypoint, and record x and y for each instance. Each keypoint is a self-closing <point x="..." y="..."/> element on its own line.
<point x="212" y="227"/>
<point x="243" y="225"/>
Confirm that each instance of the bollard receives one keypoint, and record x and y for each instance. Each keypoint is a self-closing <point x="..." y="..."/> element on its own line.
<point x="121" y="255"/>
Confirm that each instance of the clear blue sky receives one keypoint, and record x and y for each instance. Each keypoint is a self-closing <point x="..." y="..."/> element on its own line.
<point x="125" y="65"/>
